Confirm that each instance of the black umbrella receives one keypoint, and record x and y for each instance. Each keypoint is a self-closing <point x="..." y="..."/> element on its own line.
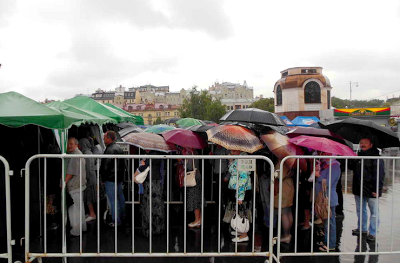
<point x="354" y="130"/>
<point x="254" y="116"/>
<point x="171" y="120"/>
<point x="200" y="128"/>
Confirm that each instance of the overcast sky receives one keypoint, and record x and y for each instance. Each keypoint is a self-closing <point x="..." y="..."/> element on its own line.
<point x="56" y="49"/>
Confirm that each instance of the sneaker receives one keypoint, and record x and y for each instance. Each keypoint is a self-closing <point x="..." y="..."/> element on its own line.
<point x="238" y="239"/>
<point x="90" y="218"/>
<point x="371" y="238"/>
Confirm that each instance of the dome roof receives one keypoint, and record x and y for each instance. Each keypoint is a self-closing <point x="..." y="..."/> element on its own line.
<point x="296" y="81"/>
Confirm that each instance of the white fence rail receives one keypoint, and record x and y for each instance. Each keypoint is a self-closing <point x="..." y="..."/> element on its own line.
<point x="30" y="254"/>
<point x="6" y="175"/>
<point x="386" y="249"/>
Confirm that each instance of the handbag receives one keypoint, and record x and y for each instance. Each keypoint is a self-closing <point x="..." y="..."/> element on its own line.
<point x="241" y="224"/>
<point x="229" y="213"/>
<point x="322" y="203"/>
<point x="139" y="178"/>
<point x="191" y="177"/>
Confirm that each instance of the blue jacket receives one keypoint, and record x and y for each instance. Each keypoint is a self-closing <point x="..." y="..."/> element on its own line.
<point x="335" y="176"/>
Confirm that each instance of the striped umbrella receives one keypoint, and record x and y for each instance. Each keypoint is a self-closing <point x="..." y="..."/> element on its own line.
<point x="149" y="141"/>
<point x="233" y="137"/>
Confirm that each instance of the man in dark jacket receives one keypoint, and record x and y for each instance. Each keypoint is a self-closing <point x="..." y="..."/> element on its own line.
<point x="107" y="172"/>
<point x="370" y="188"/>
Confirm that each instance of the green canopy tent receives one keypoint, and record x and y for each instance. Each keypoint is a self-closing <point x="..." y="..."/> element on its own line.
<point x="86" y="115"/>
<point x="139" y="119"/>
<point x="86" y="103"/>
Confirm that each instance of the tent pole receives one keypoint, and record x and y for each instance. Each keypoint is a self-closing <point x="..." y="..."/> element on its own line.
<point x="40" y="183"/>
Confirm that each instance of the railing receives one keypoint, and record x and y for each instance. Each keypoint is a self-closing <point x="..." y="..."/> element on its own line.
<point x="361" y="239"/>
<point x="7" y="174"/>
<point x="30" y="254"/>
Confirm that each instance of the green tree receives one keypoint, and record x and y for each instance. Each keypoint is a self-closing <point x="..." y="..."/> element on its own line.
<point x="267" y="104"/>
<point x="200" y="105"/>
<point x="158" y="121"/>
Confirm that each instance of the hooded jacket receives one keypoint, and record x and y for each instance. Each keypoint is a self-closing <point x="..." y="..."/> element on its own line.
<point x="370" y="174"/>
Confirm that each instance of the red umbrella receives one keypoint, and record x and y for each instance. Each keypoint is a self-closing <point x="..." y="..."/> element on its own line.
<point x="322" y="144"/>
<point x="184" y="138"/>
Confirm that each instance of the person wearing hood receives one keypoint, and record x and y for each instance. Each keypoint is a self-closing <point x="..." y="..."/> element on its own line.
<point x="369" y="190"/>
<point x="90" y="192"/>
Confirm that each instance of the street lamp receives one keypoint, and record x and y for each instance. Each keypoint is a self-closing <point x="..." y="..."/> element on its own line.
<point x="353" y="84"/>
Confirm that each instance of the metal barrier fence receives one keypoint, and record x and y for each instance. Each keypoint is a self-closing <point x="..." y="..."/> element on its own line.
<point x="7" y="174"/>
<point x="31" y="255"/>
<point x="360" y="250"/>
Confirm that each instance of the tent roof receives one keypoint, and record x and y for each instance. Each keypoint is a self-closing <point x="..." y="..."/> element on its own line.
<point x="86" y="103"/>
<point x="304" y="120"/>
<point x="17" y="110"/>
<point x="139" y="119"/>
<point x="86" y="115"/>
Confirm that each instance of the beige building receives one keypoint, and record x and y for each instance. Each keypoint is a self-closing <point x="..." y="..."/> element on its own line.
<point x="150" y="112"/>
<point x="302" y="91"/>
<point x="232" y="95"/>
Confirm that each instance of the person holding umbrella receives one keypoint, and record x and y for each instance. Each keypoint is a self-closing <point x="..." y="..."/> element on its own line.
<point x="367" y="191"/>
<point x="329" y="168"/>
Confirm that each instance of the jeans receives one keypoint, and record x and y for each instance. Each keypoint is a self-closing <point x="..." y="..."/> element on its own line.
<point x="332" y="229"/>
<point x="110" y="192"/>
<point x="374" y="211"/>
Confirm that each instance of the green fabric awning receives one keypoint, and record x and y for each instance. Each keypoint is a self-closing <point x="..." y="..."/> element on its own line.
<point x="139" y="119"/>
<point x="86" y="103"/>
<point x="86" y="115"/>
<point x="17" y="110"/>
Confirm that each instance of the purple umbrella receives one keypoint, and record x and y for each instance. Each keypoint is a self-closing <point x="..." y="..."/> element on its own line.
<point x="322" y="144"/>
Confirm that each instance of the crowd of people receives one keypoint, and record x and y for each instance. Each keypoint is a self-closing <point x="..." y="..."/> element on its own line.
<point x="236" y="186"/>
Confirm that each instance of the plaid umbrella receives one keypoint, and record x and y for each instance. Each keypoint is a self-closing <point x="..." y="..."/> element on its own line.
<point x="159" y="128"/>
<point x="149" y="141"/>
<point x="234" y="137"/>
<point x="280" y="146"/>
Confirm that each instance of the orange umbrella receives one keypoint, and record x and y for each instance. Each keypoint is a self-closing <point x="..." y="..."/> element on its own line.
<point x="234" y="137"/>
<point x="280" y="146"/>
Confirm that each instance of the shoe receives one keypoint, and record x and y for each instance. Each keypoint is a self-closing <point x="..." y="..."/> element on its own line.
<point x="356" y="232"/>
<point x="286" y="239"/>
<point x="318" y="222"/>
<point x="233" y="233"/>
<point x="90" y="218"/>
<point x="112" y="225"/>
<point x="195" y="224"/>
<point x="325" y="249"/>
<point x="371" y="238"/>
<point x="238" y="239"/>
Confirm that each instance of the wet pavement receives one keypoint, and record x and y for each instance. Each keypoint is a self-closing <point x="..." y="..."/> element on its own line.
<point x="390" y="201"/>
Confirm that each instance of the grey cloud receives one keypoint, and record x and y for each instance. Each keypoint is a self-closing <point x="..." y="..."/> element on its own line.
<point x="373" y="70"/>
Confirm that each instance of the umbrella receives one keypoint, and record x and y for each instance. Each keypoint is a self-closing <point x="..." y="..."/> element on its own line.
<point x="254" y="116"/>
<point x="354" y="130"/>
<point x="149" y="141"/>
<point x="128" y="130"/>
<point x="280" y="146"/>
<point x="259" y="127"/>
<point x="186" y="122"/>
<point x="199" y="128"/>
<point x="171" y="120"/>
<point x="316" y="133"/>
<point x="322" y="144"/>
<point x="184" y="138"/>
<point x="233" y="137"/>
<point x="124" y="125"/>
<point x="159" y="128"/>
